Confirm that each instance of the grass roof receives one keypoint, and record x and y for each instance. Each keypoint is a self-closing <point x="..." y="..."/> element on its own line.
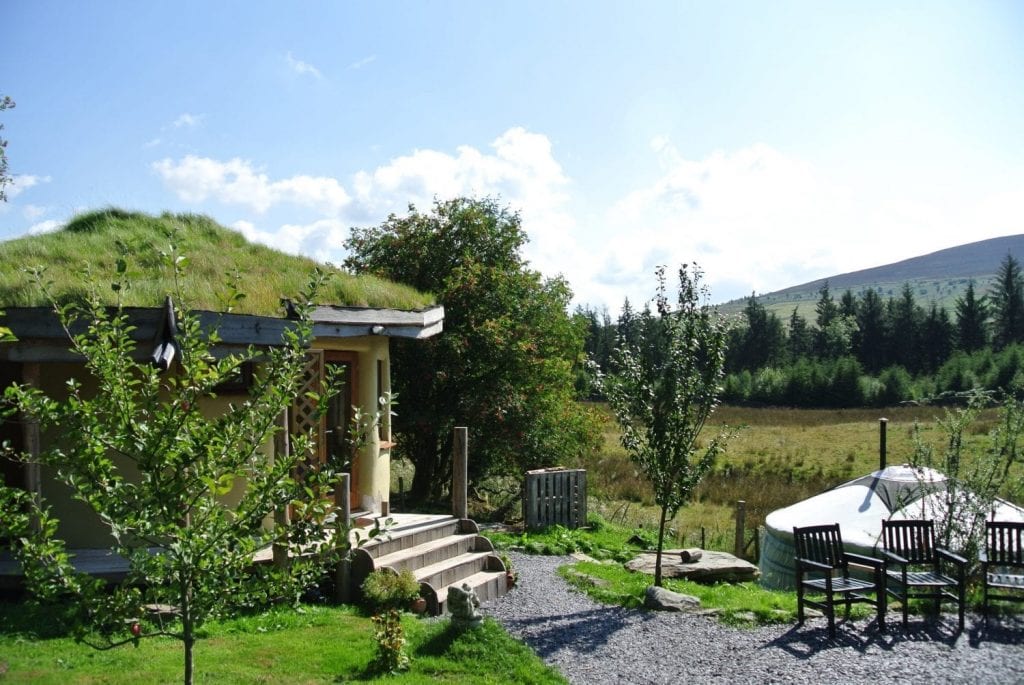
<point x="85" y="252"/>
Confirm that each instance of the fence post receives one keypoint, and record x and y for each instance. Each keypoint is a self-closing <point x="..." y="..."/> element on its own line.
<point x="460" y="472"/>
<point x="741" y="514"/>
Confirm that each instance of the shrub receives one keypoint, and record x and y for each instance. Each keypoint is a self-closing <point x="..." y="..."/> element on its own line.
<point x="384" y="589"/>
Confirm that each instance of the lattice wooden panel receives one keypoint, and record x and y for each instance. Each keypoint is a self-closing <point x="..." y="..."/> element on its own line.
<point x="304" y="420"/>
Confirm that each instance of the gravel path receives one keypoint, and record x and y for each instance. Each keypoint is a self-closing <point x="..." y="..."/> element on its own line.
<point x="594" y="644"/>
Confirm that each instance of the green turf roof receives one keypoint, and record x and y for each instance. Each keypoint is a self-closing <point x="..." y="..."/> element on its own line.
<point x="87" y="249"/>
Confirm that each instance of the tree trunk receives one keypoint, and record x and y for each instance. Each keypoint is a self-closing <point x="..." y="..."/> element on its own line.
<point x="187" y="633"/>
<point x="661" y="545"/>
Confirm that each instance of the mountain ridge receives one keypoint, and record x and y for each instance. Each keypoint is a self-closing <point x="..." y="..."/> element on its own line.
<point x="937" y="277"/>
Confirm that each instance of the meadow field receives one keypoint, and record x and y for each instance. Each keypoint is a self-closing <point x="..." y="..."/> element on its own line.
<point x="777" y="457"/>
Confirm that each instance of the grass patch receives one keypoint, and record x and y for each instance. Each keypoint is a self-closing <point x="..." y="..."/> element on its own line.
<point x="600" y="540"/>
<point x="312" y="644"/>
<point x="742" y="604"/>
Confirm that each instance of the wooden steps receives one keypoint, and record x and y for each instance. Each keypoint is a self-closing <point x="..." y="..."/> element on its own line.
<point x="440" y="553"/>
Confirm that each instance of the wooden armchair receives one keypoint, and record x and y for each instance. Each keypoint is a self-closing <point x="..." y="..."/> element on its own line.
<point x="916" y="569"/>
<point x="1002" y="562"/>
<point x="823" y="567"/>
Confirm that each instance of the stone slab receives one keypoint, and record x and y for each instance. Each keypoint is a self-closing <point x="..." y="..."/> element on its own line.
<point x="712" y="566"/>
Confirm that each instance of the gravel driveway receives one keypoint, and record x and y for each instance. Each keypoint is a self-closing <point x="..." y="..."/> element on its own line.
<point x="593" y="643"/>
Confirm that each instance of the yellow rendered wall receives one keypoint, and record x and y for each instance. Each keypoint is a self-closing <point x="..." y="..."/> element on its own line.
<point x="79" y="525"/>
<point x="371" y="470"/>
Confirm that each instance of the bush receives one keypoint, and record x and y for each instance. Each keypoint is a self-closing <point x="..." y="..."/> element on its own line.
<point x="384" y="589"/>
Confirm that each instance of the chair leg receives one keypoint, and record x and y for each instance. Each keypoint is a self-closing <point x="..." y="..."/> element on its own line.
<point x="831" y="612"/>
<point x="800" y="605"/>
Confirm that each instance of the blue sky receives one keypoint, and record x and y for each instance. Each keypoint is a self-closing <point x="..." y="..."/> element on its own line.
<point x="771" y="142"/>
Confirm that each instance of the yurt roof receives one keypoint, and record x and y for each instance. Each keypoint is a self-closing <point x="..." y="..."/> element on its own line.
<point x="859" y="505"/>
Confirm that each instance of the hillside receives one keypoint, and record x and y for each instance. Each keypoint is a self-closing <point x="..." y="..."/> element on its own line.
<point x="938" y="277"/>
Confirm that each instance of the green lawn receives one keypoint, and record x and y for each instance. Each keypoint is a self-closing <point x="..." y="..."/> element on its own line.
<point x="314" y="644"/>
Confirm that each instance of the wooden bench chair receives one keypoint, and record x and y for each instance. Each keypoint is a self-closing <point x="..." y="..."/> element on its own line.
<point x="823" y="567"/>
<point x="916" y="568"/>
<point x="1002" y="562"/>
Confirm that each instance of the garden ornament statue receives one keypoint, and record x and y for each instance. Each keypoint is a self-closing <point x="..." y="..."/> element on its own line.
<point x="463" y="603"/>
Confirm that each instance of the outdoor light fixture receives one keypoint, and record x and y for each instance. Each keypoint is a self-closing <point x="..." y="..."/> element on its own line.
<point x="377" y="330"/>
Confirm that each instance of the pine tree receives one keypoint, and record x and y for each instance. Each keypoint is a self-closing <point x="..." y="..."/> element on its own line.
<point x="801" y="340"/>
<point x="1007" y="298"/>
<point x="971" y="321"/>
<point x="871" y="348"/>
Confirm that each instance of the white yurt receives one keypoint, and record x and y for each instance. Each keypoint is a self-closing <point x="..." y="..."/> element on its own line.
<point x="898" y="492"/>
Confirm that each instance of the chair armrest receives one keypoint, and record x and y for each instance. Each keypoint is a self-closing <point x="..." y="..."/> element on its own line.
<point x="818" y="566"/>
<point x="950" y="556"/>
<point x="864" y="560"/>
<point x="892" y="556"/>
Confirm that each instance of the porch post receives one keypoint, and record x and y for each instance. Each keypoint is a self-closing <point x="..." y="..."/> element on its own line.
<point x="30" y="434"/>
<point x="460" y="472"/>
<point x="343" y="571"/>
<point x="281" y="449"/>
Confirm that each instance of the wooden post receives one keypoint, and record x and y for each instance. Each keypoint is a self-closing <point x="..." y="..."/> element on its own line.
<point x="343" y="571"/>
<point x="881" y="442"/>
<point x="460" y="473"/>
<point x="281" y="450"/>
<point x="343" y="500"/>
<point x="741" y="514"/>
<point x="30" y="435"/>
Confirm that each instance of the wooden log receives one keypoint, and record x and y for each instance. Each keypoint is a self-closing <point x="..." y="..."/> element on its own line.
<point x="690" y="555"/>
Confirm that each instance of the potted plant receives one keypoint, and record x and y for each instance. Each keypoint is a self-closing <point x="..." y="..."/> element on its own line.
<point x="510" y="574"/>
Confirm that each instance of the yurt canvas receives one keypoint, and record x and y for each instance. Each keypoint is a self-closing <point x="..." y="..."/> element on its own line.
<point x="857" y="506"/>
<point x="896" y="492"/>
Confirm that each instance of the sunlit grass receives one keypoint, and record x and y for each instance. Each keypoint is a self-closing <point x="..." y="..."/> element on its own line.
<point x="778" y="457"/>
<point x="87" y="250"/>
<point x="315" y="644"/>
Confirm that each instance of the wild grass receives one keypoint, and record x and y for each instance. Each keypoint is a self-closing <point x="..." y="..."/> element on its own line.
<point x="779" y="457"/>
<point x="315" y="644"/>
<point x="88" y="247"/>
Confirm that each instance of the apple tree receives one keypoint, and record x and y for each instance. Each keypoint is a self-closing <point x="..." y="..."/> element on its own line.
<point x="663" y="388"/>
<point x="134" y="444"/>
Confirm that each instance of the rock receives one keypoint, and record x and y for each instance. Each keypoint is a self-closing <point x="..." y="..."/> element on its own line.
<point x="580" y="556"/>
<point x="660" y="599"/>
<point x="710" y="568"/>
<point x="584" y="579"/>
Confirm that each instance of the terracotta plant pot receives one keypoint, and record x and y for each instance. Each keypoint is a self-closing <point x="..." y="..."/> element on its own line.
<point x="418" y="606"/>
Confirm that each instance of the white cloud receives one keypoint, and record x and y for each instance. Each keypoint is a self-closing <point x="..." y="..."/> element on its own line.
<point x="48" y="226"/>
<point x="757" y="219"/>
<point x="300" y="67"/>
<point x="195" y="179"/>
<point x="187" y="120"/>
<point x="520" y="169"/>
<point x="21" y="183"/>
<point x="359" y="64"/>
